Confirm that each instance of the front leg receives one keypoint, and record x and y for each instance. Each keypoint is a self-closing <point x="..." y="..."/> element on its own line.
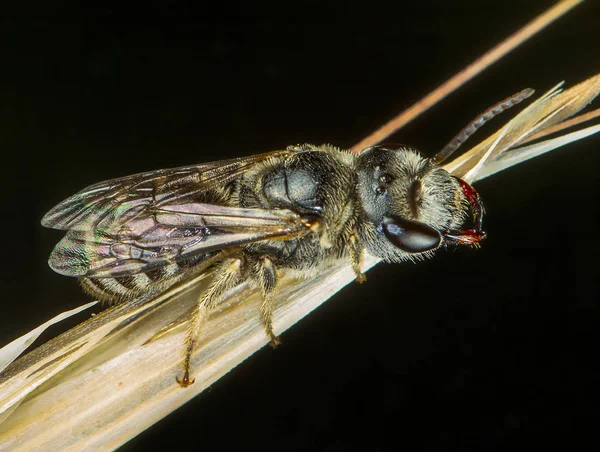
<point x="357" y="257"/>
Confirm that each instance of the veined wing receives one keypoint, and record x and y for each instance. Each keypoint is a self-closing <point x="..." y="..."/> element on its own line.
<point x="137" y="223"/>
<point x="167" y="235"/>
<point x="118" y="200"/>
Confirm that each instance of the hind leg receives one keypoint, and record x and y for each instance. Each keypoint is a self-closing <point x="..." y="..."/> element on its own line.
<point x="227" y="276"/>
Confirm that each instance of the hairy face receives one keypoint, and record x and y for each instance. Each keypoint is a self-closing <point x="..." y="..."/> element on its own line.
<point x="407" y="203"/>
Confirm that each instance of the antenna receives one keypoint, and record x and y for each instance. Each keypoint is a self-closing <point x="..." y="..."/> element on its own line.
<point x="480" y="120"/>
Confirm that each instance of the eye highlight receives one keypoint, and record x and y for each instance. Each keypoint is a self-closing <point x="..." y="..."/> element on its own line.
<point x="410" y="236"/>
<point x="414" y="197"/>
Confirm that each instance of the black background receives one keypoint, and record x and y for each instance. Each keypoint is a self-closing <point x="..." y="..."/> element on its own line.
<point x="483" y="350"/>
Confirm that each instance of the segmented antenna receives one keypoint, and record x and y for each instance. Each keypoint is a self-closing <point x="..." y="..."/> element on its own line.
<point x="480" y="120"/>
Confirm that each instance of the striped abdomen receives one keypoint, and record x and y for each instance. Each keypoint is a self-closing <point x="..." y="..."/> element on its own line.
<point x="117" y="289"/>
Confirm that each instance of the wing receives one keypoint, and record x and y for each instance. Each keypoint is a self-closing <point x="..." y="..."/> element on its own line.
<point x="119" y="199"/>
<point x="138" y="223"/>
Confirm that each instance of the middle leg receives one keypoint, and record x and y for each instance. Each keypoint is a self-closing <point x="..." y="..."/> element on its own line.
<point x="266" y="275"/>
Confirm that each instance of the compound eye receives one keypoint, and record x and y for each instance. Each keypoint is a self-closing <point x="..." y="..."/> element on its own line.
<point x="410" y="236"/>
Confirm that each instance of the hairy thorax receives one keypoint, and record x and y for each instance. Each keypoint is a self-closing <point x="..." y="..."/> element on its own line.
<point x="317" y="184"/>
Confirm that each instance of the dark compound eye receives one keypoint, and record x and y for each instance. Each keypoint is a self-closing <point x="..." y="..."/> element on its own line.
<point x="410" y="236"/>
<point x="414" y="197"/>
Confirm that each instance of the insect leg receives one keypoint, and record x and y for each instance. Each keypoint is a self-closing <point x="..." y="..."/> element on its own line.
<point x="226" y="277"/>
<point x="267" y="280"/>
<point x="357" y="257"/>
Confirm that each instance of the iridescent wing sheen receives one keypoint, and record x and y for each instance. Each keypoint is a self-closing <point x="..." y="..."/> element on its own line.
<point x="119" y="199"/>
<point x="138" y="223"/>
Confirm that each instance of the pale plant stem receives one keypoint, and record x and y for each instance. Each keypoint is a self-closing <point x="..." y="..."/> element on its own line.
<point x="125" y="379"/>
<point x="580" y="119"/>
<point x="458" y="80"/>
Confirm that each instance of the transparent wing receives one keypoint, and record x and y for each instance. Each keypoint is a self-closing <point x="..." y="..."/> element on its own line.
<point x="154" y="239"/>
<point x="120" y="199"/>
<point x="138" y="223"/>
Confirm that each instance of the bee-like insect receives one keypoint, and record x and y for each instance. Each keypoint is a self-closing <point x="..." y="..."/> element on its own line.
<point x="294" y="210"/>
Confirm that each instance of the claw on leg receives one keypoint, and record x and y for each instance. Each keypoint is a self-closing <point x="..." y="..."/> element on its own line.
<point x="275" y="341"/>
<point x="360" y="276"/>
<point x="226" y="277"/>
<point x="185" y="382"/>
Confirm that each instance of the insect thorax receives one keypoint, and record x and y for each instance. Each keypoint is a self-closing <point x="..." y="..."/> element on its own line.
<point x="318" y="183"/>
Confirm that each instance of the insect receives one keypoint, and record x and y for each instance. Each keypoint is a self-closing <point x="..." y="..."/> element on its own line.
<point x="295" y="210"/>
